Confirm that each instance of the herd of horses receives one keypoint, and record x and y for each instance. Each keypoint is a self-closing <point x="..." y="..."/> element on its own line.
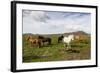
<point x="41" y="40"/>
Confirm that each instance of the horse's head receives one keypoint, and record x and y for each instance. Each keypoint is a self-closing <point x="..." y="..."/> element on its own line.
<point x="28" y="38"/>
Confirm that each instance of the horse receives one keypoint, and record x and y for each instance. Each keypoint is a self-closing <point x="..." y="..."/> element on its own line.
<point x="60" y="38"/>
<point x="81" y="38"/>
<point x="45" y="39"/>
<point x="34" y="41"/>
<point x="67" y="40"/>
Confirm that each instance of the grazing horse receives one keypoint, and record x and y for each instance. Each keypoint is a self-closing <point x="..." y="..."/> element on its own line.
<point x="45" y="39"/>
<point x="67" y="40"/>
<point x="60" y="38"/>
<point x="34" y="41"/>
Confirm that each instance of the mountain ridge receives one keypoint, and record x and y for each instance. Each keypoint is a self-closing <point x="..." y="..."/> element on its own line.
<point x="59" y="34"/>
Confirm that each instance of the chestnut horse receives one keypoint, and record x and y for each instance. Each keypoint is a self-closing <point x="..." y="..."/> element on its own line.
<point x="34" y="41"/>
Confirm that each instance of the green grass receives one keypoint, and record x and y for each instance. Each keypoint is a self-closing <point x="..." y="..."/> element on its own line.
<point x="55" y="51"/>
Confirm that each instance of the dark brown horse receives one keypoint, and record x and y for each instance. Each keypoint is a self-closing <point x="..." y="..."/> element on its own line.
<point x="34" y="41"/>
<point x="45" y="39"/>
<point x="60" y="38"/>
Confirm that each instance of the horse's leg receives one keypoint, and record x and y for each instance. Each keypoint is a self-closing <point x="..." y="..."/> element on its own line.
<point x="68" y="45"/>
<point x="38" y="45"/>
<point x="65" y="45"/>
<point x="49" y="42"/>
<point x="40" y="42"/>
<point x="32" y="43"/>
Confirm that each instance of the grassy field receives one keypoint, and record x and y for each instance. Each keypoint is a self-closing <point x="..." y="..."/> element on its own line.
<point x="56" y="51"/>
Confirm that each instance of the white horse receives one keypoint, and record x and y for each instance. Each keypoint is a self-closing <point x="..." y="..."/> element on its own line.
<point x="67" y="40"/>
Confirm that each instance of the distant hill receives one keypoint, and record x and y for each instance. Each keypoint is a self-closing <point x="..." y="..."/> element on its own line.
<point x="46" y="35"/>
<point x="77" y="33"/>
<point x="59" y="34"/>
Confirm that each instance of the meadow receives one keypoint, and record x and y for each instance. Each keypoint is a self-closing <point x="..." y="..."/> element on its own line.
<point x="56" y="51"/>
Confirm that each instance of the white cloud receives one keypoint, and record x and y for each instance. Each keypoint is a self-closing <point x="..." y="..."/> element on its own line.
<point x="45" y="22"/>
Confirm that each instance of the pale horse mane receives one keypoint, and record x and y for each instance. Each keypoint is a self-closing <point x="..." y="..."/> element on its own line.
<point x="67" y="40"/>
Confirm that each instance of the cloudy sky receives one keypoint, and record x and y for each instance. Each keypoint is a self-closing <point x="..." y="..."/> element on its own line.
<point x="52" y="22"/>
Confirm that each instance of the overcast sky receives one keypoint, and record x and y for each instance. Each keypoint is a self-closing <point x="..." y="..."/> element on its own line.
<point x="50" y="22"/>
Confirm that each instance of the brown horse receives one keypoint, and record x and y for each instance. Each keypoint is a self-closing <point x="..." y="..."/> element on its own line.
<point x="34" y="41"/>
<point x="45" y="39"/>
